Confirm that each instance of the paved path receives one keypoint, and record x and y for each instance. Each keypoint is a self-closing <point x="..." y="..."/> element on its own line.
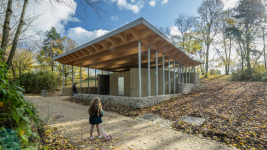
<point x="146" y="132"/>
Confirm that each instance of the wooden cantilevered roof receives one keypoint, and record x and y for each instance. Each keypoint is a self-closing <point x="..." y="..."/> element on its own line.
<point x="118" y="49"/>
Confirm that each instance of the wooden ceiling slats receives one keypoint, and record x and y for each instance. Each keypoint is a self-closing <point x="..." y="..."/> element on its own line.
<point x="121" y="50"/>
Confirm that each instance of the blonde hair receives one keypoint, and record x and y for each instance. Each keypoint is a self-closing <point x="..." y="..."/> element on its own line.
<point x="95" y="107"/>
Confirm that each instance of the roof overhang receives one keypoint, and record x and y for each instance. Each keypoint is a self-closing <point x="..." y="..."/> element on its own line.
<point x="118" y="49"/>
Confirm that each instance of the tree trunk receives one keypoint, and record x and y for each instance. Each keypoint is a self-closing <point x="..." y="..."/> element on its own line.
<point x="6" y="28"/>
<point x="52" y="65"/>
<point x="229" y="57"/>
<point x="15" y="41"/>
<point x="13" y="71"/>
<point x="248" y="50"/>
<point x="264" y="47"/>
<point x="207" y="60"/>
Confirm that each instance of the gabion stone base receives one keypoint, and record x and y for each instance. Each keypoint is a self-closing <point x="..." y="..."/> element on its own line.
<point x="128" y="101"/>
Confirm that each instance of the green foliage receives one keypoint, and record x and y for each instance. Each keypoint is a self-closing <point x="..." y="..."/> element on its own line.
<point x="42" y="80"/>
<point x="9" y="139"/>
<point x="258" y="74"/>
<point x="14" y="108"/>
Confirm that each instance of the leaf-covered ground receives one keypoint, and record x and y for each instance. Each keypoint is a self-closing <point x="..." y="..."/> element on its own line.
<point x="235" y="112"/>
<point x="68" y="128"/>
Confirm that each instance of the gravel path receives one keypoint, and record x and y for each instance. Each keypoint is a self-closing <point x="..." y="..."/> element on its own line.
<point x="146" y="132"/>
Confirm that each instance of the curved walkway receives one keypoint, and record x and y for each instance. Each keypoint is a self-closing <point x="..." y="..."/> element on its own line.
<point x="141" y="133"/>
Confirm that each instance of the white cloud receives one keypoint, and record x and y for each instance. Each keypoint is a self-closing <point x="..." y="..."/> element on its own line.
<point x="114" y="18"/>
<point x="175" y="31"/>
<point x="134" y="5"/>
<point x="152" y="3"/>
<point x="164" y="2"/>
<point x="82" y="36"/>
<point x="229" y="3"/>
<point x="51" y="15"/>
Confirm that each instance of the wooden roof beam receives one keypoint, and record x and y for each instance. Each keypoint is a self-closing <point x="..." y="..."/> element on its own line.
<point x="112" y="51"/>
<point x="154" y="38"/>
<point x="90" y="49"/>
<point x="122" y="60"/>
<point x="104" y="44"/>
<point x="114" y="56"/>
<point x="123" y="36"/>
<point x="97" y="47"/>
<point x="113" y="41"/>
<point x="144" y="33"/>
<point x="135" y="33"/>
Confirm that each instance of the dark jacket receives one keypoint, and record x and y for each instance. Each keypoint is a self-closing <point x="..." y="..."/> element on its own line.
<point x="94" y="119"/>
<point x="74" y="88"/>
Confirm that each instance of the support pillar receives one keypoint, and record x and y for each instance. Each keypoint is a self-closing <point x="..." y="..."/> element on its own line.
<point x="108" y="72"/>
<point x="174" y="84"/>
<point x="169" y="75"/>
<point x="157" y="74"/>
<point x="139" y="68"/>
<point x="179" y="71"/>
<point x="72" y="74"/>
<point x="148" y="69"/>
<point x="63" y="76"/>
<point x="186" y="74"/>
<point x="182" y="73"/>
<point x="163" y="74"/>
<point x="95" y="77"/>
<point x="80" y="76"/>
<point x="189" y="74"/>
<point x="88" y="77"/>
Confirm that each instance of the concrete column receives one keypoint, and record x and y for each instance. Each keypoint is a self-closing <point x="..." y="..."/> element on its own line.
<point x="186" y="74"/>
<point x="179" y="72"/>
<point x="163" y="75"/>
<point x="174" y="84"/>
<point x="148" y="69"/>
<point x="63" y="75"/>
<point x="108" y="72"/>
<point x="157" y="74"/>
<point x="182" y="73"/>
<point x="80" y="76"/>
<point x="189" y="74"/>
<point x="139" y="68"/>
<point x="88" y="77"/>
<point x="95" y="77"/>
<point x="169" y="77"/>
<point x="72" y="74"/>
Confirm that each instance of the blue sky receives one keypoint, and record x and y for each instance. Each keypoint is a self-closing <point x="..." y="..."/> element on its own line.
<point x="160" y="14"/>
<point x="117" y="13"/>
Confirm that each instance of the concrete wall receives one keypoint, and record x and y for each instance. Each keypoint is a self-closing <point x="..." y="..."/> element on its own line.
<point x="134" y="102"/>
<point x="113" y="83"/>
<point x="67" y="91"/>
<point x="131" y="82"/>
<point x="144" y="82"/>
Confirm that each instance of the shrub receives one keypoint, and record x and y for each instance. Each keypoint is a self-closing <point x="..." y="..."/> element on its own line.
<point x="258" y="74"/>
<point x="42" y="80"/>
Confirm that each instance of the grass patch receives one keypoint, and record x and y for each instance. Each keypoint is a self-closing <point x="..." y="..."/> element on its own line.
<point x="215" y="78"/>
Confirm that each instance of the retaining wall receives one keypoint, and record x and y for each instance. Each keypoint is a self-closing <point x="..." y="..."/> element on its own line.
<point x="128" y="101"/>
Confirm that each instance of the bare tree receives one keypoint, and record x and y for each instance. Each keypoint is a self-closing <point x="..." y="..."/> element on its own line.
<point x="185" y="24"/>
<point x="21" y="22"/>
<point x="210" y="12"/>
